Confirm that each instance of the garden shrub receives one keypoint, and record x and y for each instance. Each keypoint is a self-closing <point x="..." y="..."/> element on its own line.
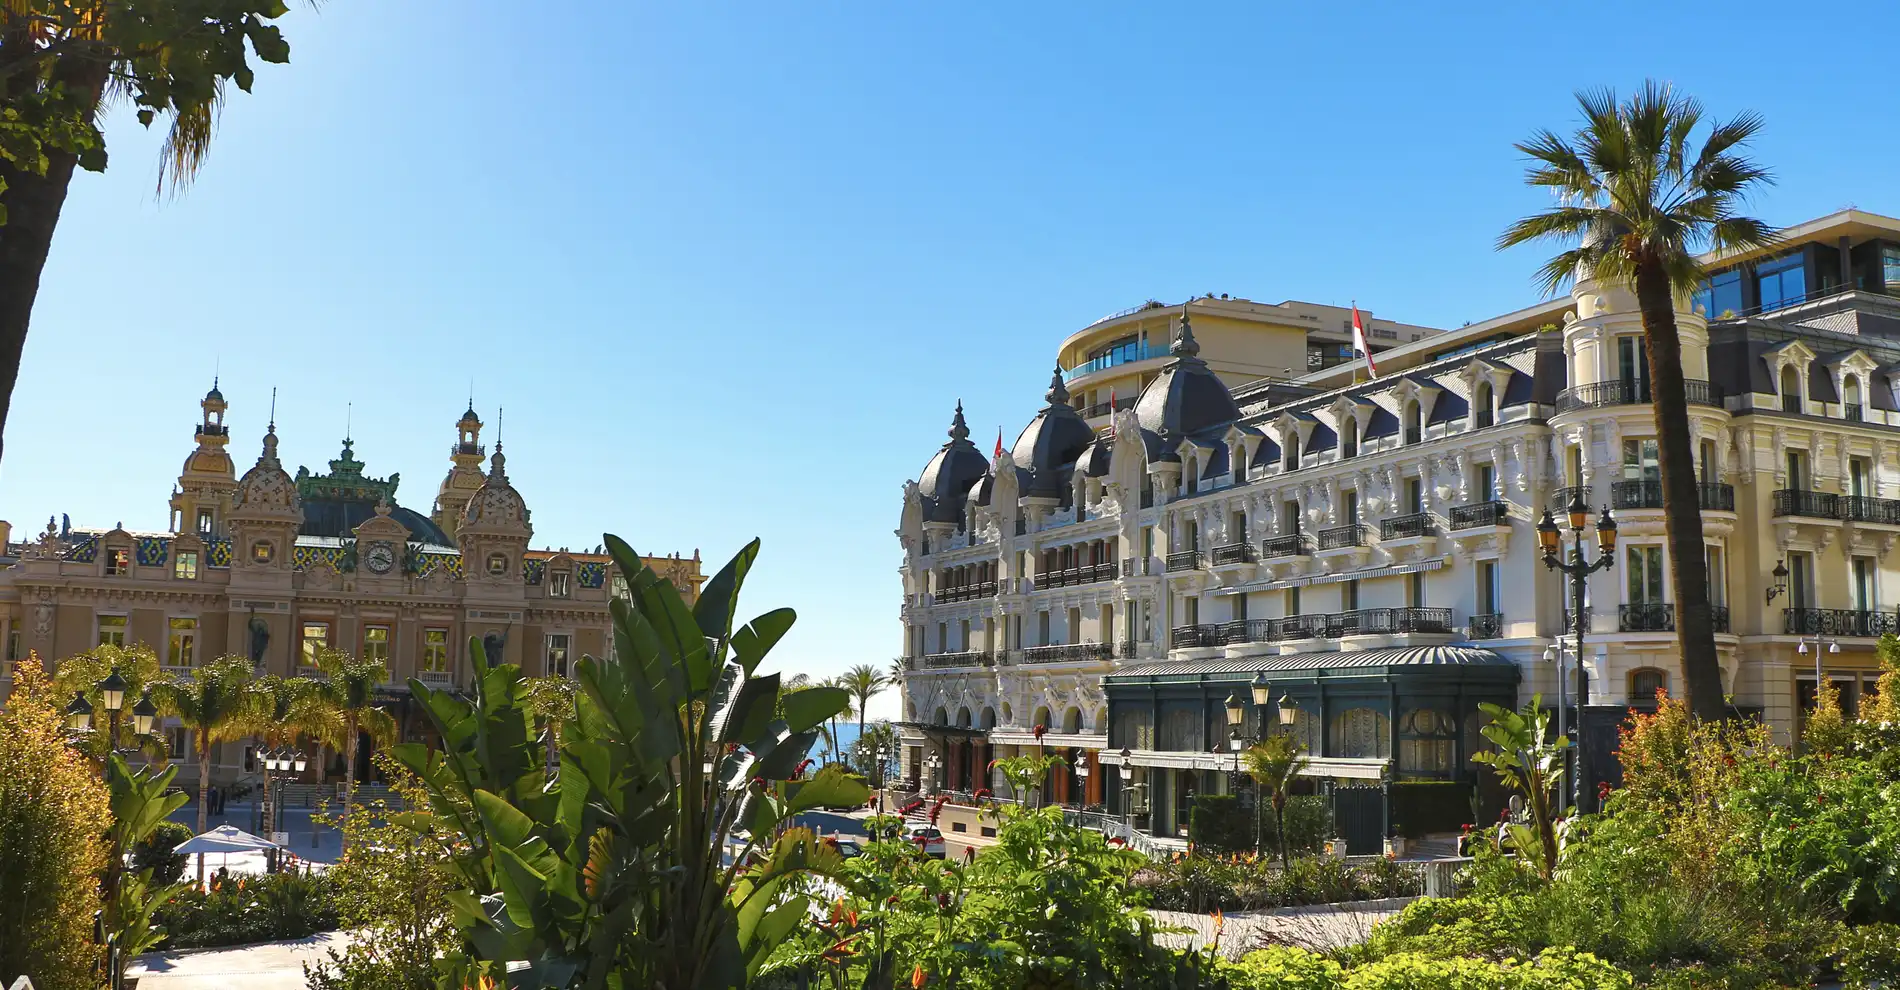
<point x="1218" y="823"/>
<point x="1234" y="883"/>
<point x="1869" y="956"/>
<point x="1555" y="969"/>
<point x="154" y="852"/>
<point x="1282" y="968"/>
<point x="241" y="909"/>
<point x="53" y="815"/>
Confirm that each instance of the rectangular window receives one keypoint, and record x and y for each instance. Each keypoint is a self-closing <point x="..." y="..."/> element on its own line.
<point x="1192" y="534"/>
<point x="1705" y="463"/>
<point x="1718" y="577"/>
<point x="1781" y="282"/>
<point x="943" y="637"/>
<point x="1414" y="496"/>
<point x="178" y="741"/>
<point x="1632" y="367"/>
<point x="1890" y="267"/>
<point x="118" y="561"/>
<point x="1490" y="592"/>
<point x="1042" y="628"/>
<point x="1292" y="601"/>
<point x="1864" y="593"/>
<point x="13" y="645"/>
<point x="1290" y="519"/>
<point x="1351" y="499"/>
<point x="1240" y="607"/>
<point x="1797" y="470"/>
<point x="1800" y="581"/>
<point x="1487" y="483"/>
<point x="963" y="628"/>
<point x="185" y="565"/>
<point x="1349" y="596"/>
<point x="183" y="644"/>
<point x="1075" y="625"/>
<point x="560" y="584"/>
<point x="1192" y="607"/>
<point x="435" y="650"/>
<point x="557" y="655"/>
<point x="1857" y="477"/>
<point x="1147" y="542"/>
<point x="316" y="638"/>
<point x="1721" y="296"/>
<point x="112" y="630"/>
<point x="1415" y="589"/>
<point x="376" y="643"/>
<point x="1644" y="566"/>
<point x="1641" y="460"/>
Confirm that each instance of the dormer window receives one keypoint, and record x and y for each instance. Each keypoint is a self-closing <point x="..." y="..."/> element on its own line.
<point x="1414" y="431"/>
<point x="1349" y="437"/>
<point x="1481" y="404"/>
<point x="118" y="561"/>
<point x="1292" y="450"/>
<point x="497" y="564"/>
<point x="1850" y="399"/>
<point x="1790" y="390"/>
<point x="560" y="584"/>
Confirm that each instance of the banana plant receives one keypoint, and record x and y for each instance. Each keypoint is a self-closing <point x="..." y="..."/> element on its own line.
<point x="140" y="799"/>
<point x="659" y="853"/>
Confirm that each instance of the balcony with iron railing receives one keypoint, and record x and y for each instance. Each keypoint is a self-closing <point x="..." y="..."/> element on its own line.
<point x="1479" y="515"/>
<point x="1598" y="395"/>
<point x="1647" y="493"/>
<point x="1661" y="617"/>
<point x="1103" y="408"/>
<point x="1184" y="560"/>
<point x="1069" y="577"/>
<point x="1861" y="508"/>
<point x="1284" y="546"/>
<point x="1487" y="625"/>
<point x="1343" y="537"/>
<point x="1406" y="527"/>
<point x="1814" y="505"/>
<point x="967" y="592"/>
<point x="1192" y="637"/>
<point x="1333" y="625"/>
<point x="1234" y="553"/>
<point x="1561" y="498"/>
<point x="1838" y="622"/>
<point x="1067" y="653"/>
<point x="968" y="658"/>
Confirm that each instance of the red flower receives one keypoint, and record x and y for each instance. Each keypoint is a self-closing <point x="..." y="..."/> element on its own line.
<point x="1040" y="730"/>
<point x="969" y="854"/>
<point x="943" y="901"/>
<point x="1116" y="840"/>
<point x="1603" y="790"/>
<point x="800" y="771"/>
<point x="982" y="793"/>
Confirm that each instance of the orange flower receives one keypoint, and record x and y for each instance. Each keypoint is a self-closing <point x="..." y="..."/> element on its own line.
<point x="1220" y="920"/>
<point x="917" y="977"/>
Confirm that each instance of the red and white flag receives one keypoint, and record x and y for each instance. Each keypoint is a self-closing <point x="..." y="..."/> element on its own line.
<point x="999" y="445"/>
<point x="1359" y="340"/>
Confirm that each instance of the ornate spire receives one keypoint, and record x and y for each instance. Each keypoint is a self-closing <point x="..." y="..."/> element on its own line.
<point x="1058" y="394"/>
<point x="269" y="457"/>
<point x="1184" y="344"/>
<point x="959" y="430"/>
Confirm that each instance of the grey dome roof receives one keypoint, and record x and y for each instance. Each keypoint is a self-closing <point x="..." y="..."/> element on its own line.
<point x="1401" y="656"/>
<point x="1186" y="398"/>
<point x="951" y="473"/>
<point x="1050" y="444"/>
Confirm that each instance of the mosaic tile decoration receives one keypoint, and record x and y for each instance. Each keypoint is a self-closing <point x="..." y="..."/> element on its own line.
<point x="593" y="573"/>
<point x="432" y="562"/>
<point x="218" y="553"/>
<point x="85" y="551"/>
<point x="533" y="570"/>
<point x="152" y="551"/>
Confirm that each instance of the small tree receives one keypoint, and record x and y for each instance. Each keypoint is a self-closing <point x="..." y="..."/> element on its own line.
<point x="81" y="673"/>
<point x="1274" y="763"/>
<point x="218" y="706"/>
<point x="865" y="682"/>
<point x="52" y="849"/>
<point x="346" y="690"/>
<point x="1827" y="730"/>
<point x="1529" y="762"/>
<point x="1885" y="707"/>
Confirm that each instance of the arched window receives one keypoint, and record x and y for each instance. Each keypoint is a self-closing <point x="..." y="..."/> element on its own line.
<point x="1414" y="430"/>
<point x="1850" y="398"/>
<point x="963" y="718"/>
<point x="1360" y="733"/>
<point x="1427" y="743"/>
<point x="1006" y="713"/>
<point x="1072" y="720"/>
<point x="1349" y="437"/>
<point x="1481" y="404"/>
<point x="1790" y="389"/>
<point x="988" y="721"/>
<point x="941" y="718"/>
<point x="1645" y="682"/>
<point x="1041" y="717"/>
<point x="1191" y="475"/>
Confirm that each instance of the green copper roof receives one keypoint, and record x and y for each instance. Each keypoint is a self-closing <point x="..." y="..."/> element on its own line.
<point x="346" y="481"/>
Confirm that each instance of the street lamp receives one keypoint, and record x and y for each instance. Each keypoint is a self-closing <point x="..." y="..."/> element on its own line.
<point x="935" y="764"/>
<point x="1262" y="690"/>
<point x="883" y="754"/>
<point x="1818" y="641"/>
<point x="1780" y="585"/>
<point x="143" y="714"/>
<point x="278" y="766"/>
<point x="1578" y="568"/>
<point x="1127" y="767"/>
<point x="1289" y="712"/>
<point x="79" y="713"/>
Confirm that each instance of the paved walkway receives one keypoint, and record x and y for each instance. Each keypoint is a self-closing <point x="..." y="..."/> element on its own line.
<point x="1318" y="927"/>
<point x="265" y="966"/>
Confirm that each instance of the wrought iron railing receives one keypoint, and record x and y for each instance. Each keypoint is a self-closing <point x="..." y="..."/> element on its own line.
<point x="1184" y="560"/>
<point x="1406" y="526"/>
<point x="1284" y="546"/>
<point x="967" y="592"/>
<point x="1189" y="637"/>
<point x="1069" y="577"/>
<point x="1852" y="412"/>
<point x="1342" y="537"/>
<point x="1488" y="625"/>
<point x="1646" y="617"/>
<point x="1861" y="508"/>
<point x="1647" y="493"/>
<point x="1596" y="395"/>
<point x="1837" y="622"/>
<point x="1478" y="515"/>
<point x="1816" y="505"/>
<point x="1561" y="498"/>
<point x="1234" y="553"/>
<point x="968" y="658"/>
<point x="1066" y="653"/>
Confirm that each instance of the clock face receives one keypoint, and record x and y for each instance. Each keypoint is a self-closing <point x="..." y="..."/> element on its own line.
<point x="381" y="557"/>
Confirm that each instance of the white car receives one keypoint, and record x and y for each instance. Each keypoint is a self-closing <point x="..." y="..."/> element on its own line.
<point x="927" y="838"/>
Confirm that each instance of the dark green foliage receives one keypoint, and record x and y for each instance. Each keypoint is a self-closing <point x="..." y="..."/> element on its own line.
<point x="1870" y="956"/>
<point x="241" y="909"/>
<point x="1422" y="807"/>
<point x="1233" y="883"/>
<point x="1218" y="823"/>
<point x="155" y="852"/>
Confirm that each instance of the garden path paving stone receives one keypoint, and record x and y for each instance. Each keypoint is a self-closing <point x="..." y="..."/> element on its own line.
<point x="262" y="966"/>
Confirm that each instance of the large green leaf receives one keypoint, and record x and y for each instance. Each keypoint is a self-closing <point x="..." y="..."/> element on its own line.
<point x="812" y="706"/>
<point x="832" y="787"/>
<point x="752" y="643"/>
<point x="754" y="709"/>
<point x="719" y="598"/>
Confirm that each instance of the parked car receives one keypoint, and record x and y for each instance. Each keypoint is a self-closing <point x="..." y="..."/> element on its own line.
<point x="848" y="845"/>
<point x="927" y="838"/>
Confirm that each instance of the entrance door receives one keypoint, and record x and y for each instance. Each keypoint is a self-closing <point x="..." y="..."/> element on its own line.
<point x="1359" y="811"/>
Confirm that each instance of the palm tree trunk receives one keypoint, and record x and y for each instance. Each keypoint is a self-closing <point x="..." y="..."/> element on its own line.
<point x="313" y="801"/>
<point x="204" y="798"/>
<point x="349" y="769"/>
<point x="862" y="701"/>
<point x="1279" y="827"/>
<point x="1682" y="506"/>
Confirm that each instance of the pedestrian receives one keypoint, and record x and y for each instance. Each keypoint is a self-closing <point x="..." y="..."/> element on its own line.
<point x="211" y="801"/>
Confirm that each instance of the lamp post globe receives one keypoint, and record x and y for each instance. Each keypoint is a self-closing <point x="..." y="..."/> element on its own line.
<point x="79" y="713"/>
<point x="143" y="714"/>
<point x="112" y="692"/>
<point x="1289" y="712"/>
<point x="1579" y="511"/>
<point x="1262" y="690"/>
<point x="1606" y="533"/>
<point x="1549" y="536"/>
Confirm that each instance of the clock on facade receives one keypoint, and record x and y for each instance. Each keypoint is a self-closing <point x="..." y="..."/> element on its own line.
<point x="380" y="558"/>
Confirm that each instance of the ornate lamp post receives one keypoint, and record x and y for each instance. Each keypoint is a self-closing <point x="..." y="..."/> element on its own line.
<point x="934" y="763"/>
<point x="143" y="714"/>
<point x="1780" y="585"/>
<point x="1082" y="777"/>
<point x="883" y="754"/>
<point x="1817" y="641"/>
<point x="1127" y="767"/>
<point x="278" y="766"/>
<point x="79" y="713"/>
<point x="1578" y="568"/>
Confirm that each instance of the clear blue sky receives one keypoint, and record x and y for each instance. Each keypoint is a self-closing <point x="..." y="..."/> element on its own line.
<point x="729" y="265"/>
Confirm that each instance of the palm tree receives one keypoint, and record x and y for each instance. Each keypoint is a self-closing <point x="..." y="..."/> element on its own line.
<point x="831" y="730"/>
<point x="1273" y="763"/>
<point x="1639" y="202"/>
<point x="865" y="682"/>
<point x="217" y="704"/>
<point x="346" y="688"/>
